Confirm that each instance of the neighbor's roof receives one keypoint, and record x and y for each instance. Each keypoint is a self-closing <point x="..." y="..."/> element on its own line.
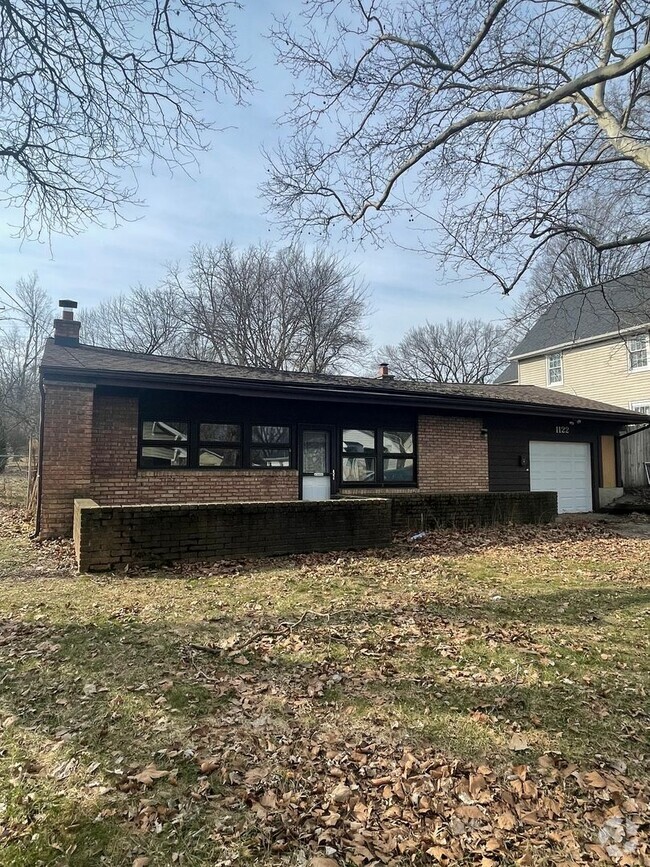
<point x="115" y="367"/>
<point x="509" y="374"/>
<point x="606" y="308"/>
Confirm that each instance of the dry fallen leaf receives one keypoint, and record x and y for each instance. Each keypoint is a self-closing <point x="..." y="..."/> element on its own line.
<point x="341" y="794"/>
<point x="323" y="861"/>
<point x="519" y="742"/>
<point x="595" y="780"/>
<point x="141" y="861"/>
<point x="148" y="775"/>
<point x="210" y="764"/>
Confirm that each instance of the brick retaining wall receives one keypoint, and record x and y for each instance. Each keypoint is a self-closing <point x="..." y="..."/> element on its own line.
<point x="430" y="511"/>
<point x="108" y="537"/>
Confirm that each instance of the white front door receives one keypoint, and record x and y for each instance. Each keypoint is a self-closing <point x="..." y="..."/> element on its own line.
<point x="316" y="465"/>
<point x="565" y="468"/>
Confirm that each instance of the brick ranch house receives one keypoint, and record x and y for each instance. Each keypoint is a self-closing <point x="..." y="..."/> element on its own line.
<point x="124" y="428"/>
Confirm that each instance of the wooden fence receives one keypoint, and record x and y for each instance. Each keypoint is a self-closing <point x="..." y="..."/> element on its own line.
<point x="635" y="451"/>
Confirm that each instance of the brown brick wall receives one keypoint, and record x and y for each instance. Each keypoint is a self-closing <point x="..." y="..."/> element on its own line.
<point x="90" y="450"/>
<point x="109" y="537"/>
<point x="453" y="455"/>
<point x="66" y="455"/>
<point x="116" y="479"/>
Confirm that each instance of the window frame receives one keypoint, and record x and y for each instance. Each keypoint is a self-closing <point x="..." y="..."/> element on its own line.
<point x="637" y="406"/>
<point x="193" y="444"/>
<point x="224" y="444"/>
<point x="143" y="443"/>
<point x="256" y="444"/>
<point x="549" y="357"/>
<point x="646" y="348"/>
<point x="380" y="455"/>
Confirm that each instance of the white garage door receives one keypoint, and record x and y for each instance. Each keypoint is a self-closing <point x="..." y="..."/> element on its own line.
<point x="565" y="468"/>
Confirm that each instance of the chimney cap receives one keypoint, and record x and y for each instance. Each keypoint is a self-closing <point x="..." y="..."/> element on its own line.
<point x="65" y="302"/>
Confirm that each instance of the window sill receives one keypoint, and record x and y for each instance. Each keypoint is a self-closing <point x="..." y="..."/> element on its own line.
<point x="379" y="485"/>
<point x="166" y="470"/>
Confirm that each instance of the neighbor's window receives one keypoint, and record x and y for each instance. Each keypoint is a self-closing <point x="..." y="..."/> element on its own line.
<point x="219" y="445"/>
<point x="398" y="458"/>
<point x="270" y="447"/>
<point x="641" y="406"/>
<point x="637" y="348"/>
<point x="359" y="455"/>
<point x="554" y="363"/>
<point x="163" y="444"/>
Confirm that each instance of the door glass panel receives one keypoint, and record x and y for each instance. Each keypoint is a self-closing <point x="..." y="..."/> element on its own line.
<point x="314" y="451"/>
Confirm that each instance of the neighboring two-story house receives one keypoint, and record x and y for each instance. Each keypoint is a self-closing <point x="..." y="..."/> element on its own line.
<point x="593" y="343"/>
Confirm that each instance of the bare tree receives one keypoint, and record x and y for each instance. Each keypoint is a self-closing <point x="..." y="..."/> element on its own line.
<point x="4" y="456"/>
<point x="456" y="351"/>
<point x="141" y="320"/>
<point x="88" y="90"/>
<point x="23" y="332"/>
<point x="488" y="123"/>
<point x="561" y="270"/>
<point x="287" y="310"/>
<point x="573" y="265"/>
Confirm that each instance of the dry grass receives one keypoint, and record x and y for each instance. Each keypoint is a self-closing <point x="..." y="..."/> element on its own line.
<point x="256" y="688"/>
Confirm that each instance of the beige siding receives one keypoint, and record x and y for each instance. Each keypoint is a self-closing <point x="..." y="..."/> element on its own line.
<point x="599" y="372"/>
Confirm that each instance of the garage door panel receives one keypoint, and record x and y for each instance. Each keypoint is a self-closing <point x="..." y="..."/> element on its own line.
<point x="564" y="468"/>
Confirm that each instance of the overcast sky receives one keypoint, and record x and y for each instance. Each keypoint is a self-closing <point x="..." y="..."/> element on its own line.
<point x="221" y="202"/>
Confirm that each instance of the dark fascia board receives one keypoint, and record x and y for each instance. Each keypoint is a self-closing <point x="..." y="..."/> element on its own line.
<point x="332" y="393"/>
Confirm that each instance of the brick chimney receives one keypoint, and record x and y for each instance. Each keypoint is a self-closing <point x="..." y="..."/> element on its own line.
<point x="66" y="329"/>
<point x="383" y="371"/>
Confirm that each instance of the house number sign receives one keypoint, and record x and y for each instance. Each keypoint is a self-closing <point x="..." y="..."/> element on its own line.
<point x="562" y="429"/>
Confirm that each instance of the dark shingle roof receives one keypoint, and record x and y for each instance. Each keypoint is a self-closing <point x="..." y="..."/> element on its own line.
<point x="95" y="364"/>
<point x="509" y="374"/>
<point x="605" y="308"/>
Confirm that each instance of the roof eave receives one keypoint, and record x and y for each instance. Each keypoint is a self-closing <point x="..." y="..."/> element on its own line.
<point x="311" y="391"/>
<point x="583" y="341"/>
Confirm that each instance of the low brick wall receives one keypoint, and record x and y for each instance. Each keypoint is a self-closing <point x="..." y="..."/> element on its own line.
<point x="430" y="511"/>
<point x="107" y="537"/>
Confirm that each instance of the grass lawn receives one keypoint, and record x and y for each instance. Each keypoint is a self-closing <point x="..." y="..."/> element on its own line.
<point x="477" y="698"/>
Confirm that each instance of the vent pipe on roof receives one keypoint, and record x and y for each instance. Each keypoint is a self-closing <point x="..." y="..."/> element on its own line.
<point x="66" y="329"/>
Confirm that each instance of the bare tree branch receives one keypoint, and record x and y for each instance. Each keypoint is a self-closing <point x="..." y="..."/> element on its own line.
<point x="497" y="121"/>
<point x="89" y="89"/>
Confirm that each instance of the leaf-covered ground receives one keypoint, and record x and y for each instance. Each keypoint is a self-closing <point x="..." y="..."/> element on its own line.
<point x="468" y="698"/>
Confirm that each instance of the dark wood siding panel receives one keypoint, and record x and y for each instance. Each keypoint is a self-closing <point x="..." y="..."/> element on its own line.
<point x="509" y="438"/>
<point x="505" y="445"/>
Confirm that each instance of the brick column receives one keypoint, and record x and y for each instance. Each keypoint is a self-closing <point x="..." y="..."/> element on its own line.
<point x="66" y="454"/>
